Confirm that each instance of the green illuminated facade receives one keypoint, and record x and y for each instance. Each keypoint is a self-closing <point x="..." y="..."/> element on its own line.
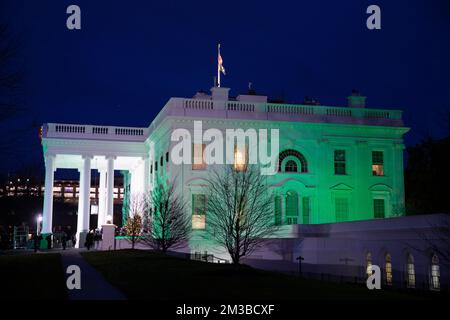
<point x="335" y="164"/>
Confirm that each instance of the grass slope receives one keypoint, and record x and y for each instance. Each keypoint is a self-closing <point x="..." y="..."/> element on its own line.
<point x="148" y="275"/>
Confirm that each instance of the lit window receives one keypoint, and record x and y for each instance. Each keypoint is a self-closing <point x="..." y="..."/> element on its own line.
<point x="435" y="273"/>
<point x="388" y="269"/>
<point x="339" y="162"/>
<point x="198" y="211"/>
<point x="291" y="166"/>
<point x="378" y="208"/>
<point x="341" y="208"/>
<point x="198" y="162"/>
<point x="198" y="222"/>
<point x="240" y="158"/>
<point x="377" y="163"/>
<point x="369" y="264"/>
<point x="291" y="207"/>
<point x="277" y="201"/>
<point x="411" y="275"/>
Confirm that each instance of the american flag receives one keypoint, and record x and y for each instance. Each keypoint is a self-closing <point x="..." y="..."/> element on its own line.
<point x="220" y="61"/>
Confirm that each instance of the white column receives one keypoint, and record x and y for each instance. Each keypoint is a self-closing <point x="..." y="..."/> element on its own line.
<point x="80" y="217"/>
<point x="84" y="200"/>
<point x="47" y="213"/>
<point x="146" y="177"/>
<point x="110" y="188"/>
<point x="86" y="191"/>
<point x="102" y="199"/>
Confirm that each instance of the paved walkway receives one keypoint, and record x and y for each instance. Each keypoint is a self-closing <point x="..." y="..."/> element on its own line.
<point x="93" y="284"/>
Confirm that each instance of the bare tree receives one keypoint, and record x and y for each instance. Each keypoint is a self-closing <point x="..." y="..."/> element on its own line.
<point x="166" y="223"/>
<point x="136" y="209"/>
<point x="437" y="239"/>
<point x="239" y="210"/>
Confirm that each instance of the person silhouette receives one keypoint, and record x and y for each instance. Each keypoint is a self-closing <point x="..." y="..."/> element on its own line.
<point x="49" y="241"/>
<point x="36" y="239"/>
<point x="64" y="240"/>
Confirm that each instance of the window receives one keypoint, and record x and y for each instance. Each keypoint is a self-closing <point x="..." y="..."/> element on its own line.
<point x="198" y="211"/>
<point x="378" y="208"/>
<point x="369" y="264"/>
<point x="291" y="207"/>
<point x="410" y="273"/>
<point x="294" y="153"/>
<point x="198" y="161"/>
<point x="240" y="158"/>
<point x="277" y="201"/>
<point x="377" y="163"/>
<point x="167" y="156"/>
<point x="435" y="273"/>
<point x="388" y="269"/>
<point x="291" y="166"/>
<point x="339" y="162"/>
<point x="306" y="209"/>
<point x="341" y="208"/>
<point x="156" y="165"/>
<point x="151" y="169"/>
<point x="161" y="161"/>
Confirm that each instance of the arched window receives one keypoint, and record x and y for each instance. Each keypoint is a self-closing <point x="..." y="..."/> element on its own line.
<point x="435" y="273"/>
<point x="290" y="166"/>
<point x="410" y="273"/>
<point x="369" y="264"/>
<point x="293" y="153"/>
<point x="388" y="269"/>
<point x="291" y="207"/>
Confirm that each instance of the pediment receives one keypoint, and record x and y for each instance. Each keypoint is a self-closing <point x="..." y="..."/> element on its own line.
<point x="342" y="186"/>
<point x="380" y="187"/>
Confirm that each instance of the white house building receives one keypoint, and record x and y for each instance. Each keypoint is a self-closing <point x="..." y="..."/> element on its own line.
<point x="340" y="167"/>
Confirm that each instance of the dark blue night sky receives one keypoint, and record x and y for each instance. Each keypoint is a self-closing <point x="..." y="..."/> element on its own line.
<point x="131" y="56"/>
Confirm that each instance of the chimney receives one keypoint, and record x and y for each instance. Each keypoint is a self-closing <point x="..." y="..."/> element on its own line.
<point x="356" y="100"/>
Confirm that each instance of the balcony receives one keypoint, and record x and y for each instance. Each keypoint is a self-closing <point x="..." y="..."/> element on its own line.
<point x="92" y="132"/>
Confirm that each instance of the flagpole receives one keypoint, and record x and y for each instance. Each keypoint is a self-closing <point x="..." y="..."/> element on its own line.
<point x="218" y="65"/>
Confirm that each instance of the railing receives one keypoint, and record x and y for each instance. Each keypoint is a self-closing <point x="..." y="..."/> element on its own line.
<point x="59" y="130"/>
<point x="198" y="104"/>
<point x="282" y="108"/>
<point x="240" y="106"/>
<point x="205" y="257"/>
<point x="275" y="111"/>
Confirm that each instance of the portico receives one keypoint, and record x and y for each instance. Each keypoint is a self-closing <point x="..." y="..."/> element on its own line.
<point x="86" y="148"/>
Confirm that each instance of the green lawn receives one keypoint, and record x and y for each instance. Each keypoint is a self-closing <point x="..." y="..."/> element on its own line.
<point x="147" y="275"/>
<point x="32" y="277"/>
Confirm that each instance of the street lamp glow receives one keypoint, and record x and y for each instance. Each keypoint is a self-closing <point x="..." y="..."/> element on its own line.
<point x="39" y="218"/>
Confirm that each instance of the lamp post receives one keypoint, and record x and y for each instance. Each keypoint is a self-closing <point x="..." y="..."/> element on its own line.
<point x="38" y="224"/>
<point x="300" y="259"/>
